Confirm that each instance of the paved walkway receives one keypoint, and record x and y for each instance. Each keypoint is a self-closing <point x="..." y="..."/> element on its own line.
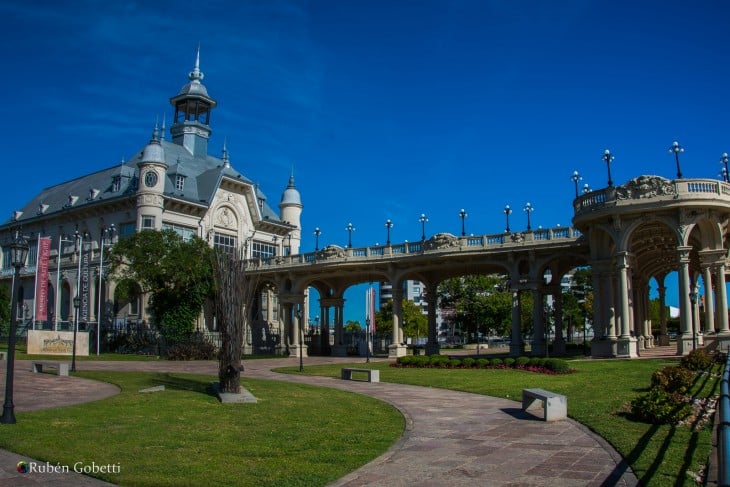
<point x="451" y="438"/>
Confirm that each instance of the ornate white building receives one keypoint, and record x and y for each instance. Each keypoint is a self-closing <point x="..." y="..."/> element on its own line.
<point x="168" y="184"/>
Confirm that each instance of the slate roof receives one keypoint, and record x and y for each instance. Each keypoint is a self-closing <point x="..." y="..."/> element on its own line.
<point x="203" y="176"/>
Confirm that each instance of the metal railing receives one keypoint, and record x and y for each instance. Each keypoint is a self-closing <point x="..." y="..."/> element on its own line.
<point x="723" y="429"/>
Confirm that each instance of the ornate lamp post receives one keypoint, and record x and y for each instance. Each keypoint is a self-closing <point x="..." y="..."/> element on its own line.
<point x="608" y="157"/>
<point x="462" y="215"/>
<point x="528" y="209"/>
<point x="349" y="229"/>
<point x="77" y="303"/>
<point x="676" y="149"/>
<point x="586" y="188"/>
<point x="301" y="340"/>
<point x="388" y="226"/>
<point x="575" y="178"/>
<point x="106" y="232"/>
<point x="724" y="160"/>
<point x="507" y="212"/>
<point x="18" y="253"/>
<point x="317" y="233"/>
<point x="423" y="219"/>
<point x="693" y="300"/>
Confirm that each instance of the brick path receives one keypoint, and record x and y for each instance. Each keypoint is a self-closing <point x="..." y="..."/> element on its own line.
<point x="451" y="438"/>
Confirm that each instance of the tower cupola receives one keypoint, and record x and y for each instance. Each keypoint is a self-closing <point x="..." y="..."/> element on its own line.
<point x="191" y="125"/>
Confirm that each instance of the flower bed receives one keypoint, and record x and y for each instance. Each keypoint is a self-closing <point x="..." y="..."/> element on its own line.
<point x="532" y="364"/>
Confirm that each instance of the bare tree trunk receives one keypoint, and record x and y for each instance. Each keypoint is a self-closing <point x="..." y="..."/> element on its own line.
<point x="234" y="294"/>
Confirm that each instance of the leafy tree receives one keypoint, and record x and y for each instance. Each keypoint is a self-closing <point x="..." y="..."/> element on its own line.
<point x="353" y="326"/>
<point x="415" y="323"/>
<point x="177" y="274"/>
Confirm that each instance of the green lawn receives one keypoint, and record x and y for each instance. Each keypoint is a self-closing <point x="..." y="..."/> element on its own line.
<point x="294" y="435"/>
<point x="659" y="455"/>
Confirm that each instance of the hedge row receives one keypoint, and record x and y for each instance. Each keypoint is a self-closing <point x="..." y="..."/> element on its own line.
<point x="536" y="364"/>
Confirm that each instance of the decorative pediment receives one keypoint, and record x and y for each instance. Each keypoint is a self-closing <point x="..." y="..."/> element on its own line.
<point x="645" y="187"/>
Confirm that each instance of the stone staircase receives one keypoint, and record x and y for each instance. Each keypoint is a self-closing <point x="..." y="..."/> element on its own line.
<point x="668" y="351"/>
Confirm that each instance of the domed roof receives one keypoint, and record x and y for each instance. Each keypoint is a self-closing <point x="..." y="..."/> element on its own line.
<point x="153" y="152"/>
<point x="195" y="87"/>
<point x="291" y="195"/>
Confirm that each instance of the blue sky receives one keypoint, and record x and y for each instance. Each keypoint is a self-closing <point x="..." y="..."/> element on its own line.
<point x="385" y="109"/>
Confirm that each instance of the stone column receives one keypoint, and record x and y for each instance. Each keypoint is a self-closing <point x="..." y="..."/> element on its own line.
<point x="432" y="346"/>
<point x="663" y="335"/>
<point x="516" y="347"/>
<point x="684" y="341"/>
<point x="339" y="349"/>
<point x="709" y="301"/>
<point x="626" y="344"/>
<point x="722" y="321"/>
<point x="397" y="348"/>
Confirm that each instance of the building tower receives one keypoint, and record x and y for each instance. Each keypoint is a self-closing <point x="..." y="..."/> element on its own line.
<point x="191" y="125"/>
<point x="150" y="201"/>
<point x="290" y="209"/>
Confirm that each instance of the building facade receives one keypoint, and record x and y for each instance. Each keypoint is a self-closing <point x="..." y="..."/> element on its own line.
<point x="175" y="184"/>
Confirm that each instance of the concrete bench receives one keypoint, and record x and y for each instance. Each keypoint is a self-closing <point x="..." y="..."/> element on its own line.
<point x="555" y="405"/>
<point x="373" y="375"/>
<point x="61" y="367"/>
<point x="3" y="355"/>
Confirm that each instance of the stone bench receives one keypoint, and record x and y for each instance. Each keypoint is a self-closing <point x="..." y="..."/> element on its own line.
<point x="555" y="405"/>
<point x="373" y="375"/>
<point x="61" y="367"/>
<point x="3" y="355"/>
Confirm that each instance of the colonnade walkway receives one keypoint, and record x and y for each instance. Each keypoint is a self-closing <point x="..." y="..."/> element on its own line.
<point x="451" y="438"/>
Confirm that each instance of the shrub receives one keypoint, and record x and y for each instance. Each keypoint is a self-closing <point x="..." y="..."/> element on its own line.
<point x="521" y="361"/>
<point x="196" y="347"/>
<point x="696" y="360"/>
<point x="509" y="361"/>
<point x="660" y="407"/>
<point x="468" y="362"/>
<point x="482" y="362"/>
<point x="421" y="360"/>
<point x="556" y="365"/>
<point x="496" y="362"/>
<point x="405" y="360"/>
<point x="454" y="362"/>
<point x="439" y="360"/>
<point x="672" y="379"/>
<point x="534" y="361"/>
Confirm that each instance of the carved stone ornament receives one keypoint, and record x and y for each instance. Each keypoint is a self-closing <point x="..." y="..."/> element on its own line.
<point x="517" y="237"/>
<point x="226" y="218"/>
<point x="645" y="187"/>
<point x="441" y="241"/>
<point x="331" y="252"/>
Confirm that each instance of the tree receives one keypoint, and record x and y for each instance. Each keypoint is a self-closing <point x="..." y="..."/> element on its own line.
<point x="415" y="323"/>
<point x="177" y="274"/>
<point x="353" y="326"/>
<point x="235" y="290"/>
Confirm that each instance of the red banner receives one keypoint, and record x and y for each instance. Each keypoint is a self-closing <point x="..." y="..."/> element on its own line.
<point x="41" y="292"/>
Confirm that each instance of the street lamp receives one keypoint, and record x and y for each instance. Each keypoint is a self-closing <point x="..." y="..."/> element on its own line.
<point x="77" y="303"/>
<point x="608" y="157"/>
<point x="693" y="299"/>
<point x="349" y="229"/>
<point x="388" y="226"/>
<point x="317" y="233"/>
<point x="423" y="219"/>
<point x="109" y="231"/>
<point x="301" y="340"/>
<point x="507" y="212"/>
<point x="367" y="340"/>
<point x="724" y="160"/>
<point x="676" y="149"/>
<point x="18" y="253"/>
<point x="528" y="209"/>
<point x="463" y="215"/>
<point x="586" y="188"/>
<point x="575" y="178"/>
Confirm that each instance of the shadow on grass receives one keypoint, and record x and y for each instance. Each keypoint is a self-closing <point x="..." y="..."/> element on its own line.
<point x="645" y="440"/>
<point x="173" y="382"/>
